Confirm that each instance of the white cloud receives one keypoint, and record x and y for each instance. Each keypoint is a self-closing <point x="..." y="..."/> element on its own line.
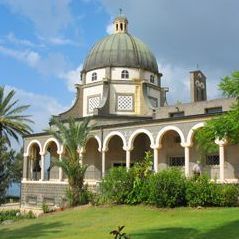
<point x="54" y="64"/>
<point x="110" y="28"/>
<point x="62" y="41"/>
<point x="21" y="42"/>
<point x="27" y="56"/>
<point x="72" y="77"/>
<point x="41" y="107"/>
<point x="178" y="80"/>
<point x="186" y="33"/>
<point x="48" y="16"/>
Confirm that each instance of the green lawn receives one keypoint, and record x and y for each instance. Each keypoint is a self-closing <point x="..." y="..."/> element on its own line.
<point x="141" y="223"/>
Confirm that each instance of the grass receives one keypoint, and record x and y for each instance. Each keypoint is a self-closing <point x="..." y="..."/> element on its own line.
<point x="140" y="223"/>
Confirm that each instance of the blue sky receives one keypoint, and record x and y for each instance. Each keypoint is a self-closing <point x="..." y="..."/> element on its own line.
<point x="43" y="44"/>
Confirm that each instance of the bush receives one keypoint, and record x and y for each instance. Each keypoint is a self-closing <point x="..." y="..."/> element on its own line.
<point x="201" y="192"/>
<point x="14" y="215"/>
<point x="117" y="185"/>
<point x="140" y="173"/>
<point x="167" y="188"/>
<point x="45" y="208"/>
<point x="84" y="196"/>
<point x="229" y="195"/>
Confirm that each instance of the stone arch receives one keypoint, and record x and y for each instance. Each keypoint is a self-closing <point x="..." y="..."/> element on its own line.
<point x="192" y="132"/>
<point x="59" y="148"/>
<point x="166" y="129"/>
<point x="30" y="145"/>
<point x="109" y="136"/>
<point x="137" y="132"/>
<point x="97" y="138"/>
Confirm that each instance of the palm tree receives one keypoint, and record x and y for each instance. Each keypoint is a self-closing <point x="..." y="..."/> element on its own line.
<point x="72" y="136"/>
<point x="12" y="122"/>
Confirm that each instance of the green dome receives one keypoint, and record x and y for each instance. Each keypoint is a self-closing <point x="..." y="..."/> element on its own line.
<point x="120" y="50"/>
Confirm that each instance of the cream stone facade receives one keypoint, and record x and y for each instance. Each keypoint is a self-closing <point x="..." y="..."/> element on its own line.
<point x="121" y="89"/>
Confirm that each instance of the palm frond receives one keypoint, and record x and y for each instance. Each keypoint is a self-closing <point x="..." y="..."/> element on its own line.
<point x="12" y="122"/>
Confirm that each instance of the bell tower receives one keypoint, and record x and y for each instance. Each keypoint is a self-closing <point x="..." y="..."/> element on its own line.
<point x="198" y="86"/>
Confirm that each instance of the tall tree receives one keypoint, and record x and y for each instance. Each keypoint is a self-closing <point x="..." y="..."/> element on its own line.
<point x="13" y="124"/>
<point x="72" y="136"/>
<point x="12" y="120"/>
<point x="6" y="166"/>
<point x="225" y="126"/>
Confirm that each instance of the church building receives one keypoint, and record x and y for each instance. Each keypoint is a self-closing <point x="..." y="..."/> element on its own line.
<point x="121" y="90"/>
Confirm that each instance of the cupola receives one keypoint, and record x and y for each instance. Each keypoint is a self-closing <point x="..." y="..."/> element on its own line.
<point x="120" y="24"/>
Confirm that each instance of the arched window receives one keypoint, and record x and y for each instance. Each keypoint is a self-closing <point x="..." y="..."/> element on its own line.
<point x="94" y="76"/>
<point x="124" y="74"/>
<point x="152" y="79"/>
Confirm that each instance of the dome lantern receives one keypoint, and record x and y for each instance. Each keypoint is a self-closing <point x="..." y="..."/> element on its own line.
<point x="120" y="24"/>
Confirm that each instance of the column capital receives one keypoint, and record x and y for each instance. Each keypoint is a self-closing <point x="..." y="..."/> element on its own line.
<point x="221" y="142"/>
<point x="59" y="152"/>
<point x="128" y="148"/>
<point x="81" y="150"/>
<point x="186" y="145"/>
<point x="105" y="149"/>
<point x="159" y="146"/>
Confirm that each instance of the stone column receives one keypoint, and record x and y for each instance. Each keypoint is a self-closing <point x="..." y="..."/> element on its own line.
<point x="103" y="162"/>
<point x="187" y="159"/>
<point x="42" y="167"/>
<point x="127" y="159"/>
<point x="156" y="159"/>
<point x="31" y="168"/>
<point x="221" y="144"/>
<point x="222" y="162"/>
<point x="60" y="169"/>
<point x="24" y="175"/>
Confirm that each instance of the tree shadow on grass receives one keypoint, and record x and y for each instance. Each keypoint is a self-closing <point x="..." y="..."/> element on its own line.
<point x="34" y="230"/>
<point x="166" y="233"/>
<point x="228" y="230"/>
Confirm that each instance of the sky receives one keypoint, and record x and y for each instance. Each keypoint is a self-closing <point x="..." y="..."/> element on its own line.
<point x="43" y="45"/>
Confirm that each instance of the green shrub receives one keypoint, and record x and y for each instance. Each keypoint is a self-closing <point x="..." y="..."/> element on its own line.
<point x="14" y="215"/>
<point x="84" y="196"/>
<point x="167" y="188"/>
<point x="45" y="208"/>
<point x="201" y="192"/>
<point x="229" y="195"/>
<point x="117" y="185"/>
<point x="8" y="215"/>
<point x="140" y="174"/>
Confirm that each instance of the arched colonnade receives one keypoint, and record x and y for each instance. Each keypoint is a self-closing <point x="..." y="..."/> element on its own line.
<point x="170" y="147"/>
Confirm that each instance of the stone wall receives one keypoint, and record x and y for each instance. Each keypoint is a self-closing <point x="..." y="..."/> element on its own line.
<point x="33" y="194"/>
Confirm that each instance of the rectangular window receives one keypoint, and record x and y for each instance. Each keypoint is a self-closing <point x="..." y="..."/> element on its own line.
<point x="212" y="159"/>
<point x="121" y="164"/>
<point x="176" y="114"/>
<point x="176" y="161"/>
<point x="213" y="110"/>
<point x="125" y="102"/>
